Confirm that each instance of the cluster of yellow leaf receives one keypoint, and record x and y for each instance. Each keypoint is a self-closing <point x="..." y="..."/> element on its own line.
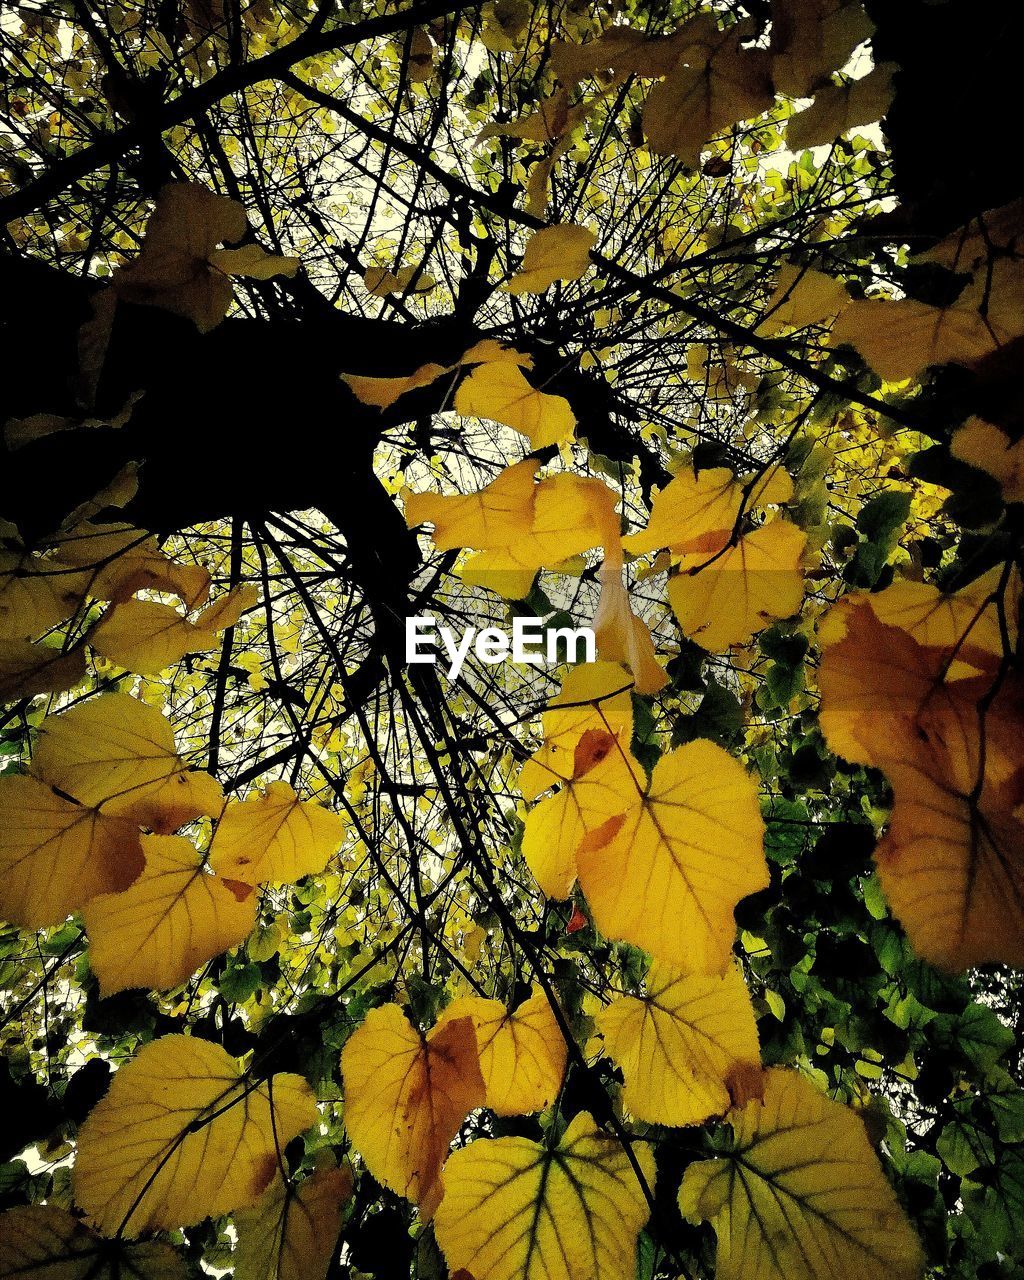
<point x="709" y="78"/>
<point x="89" y="828"/>
<point x="688" y="1045"/>
<point x="900" y="338"/>
<point x="519" y="525"/>
<point x="508" y="1208"/>
<point x="181" y="269"/>
<point x="912" y="682"/>
<point x="407" y="1094"/>
<point x="104" y="562"/>
<point x="726" y="587"/>
<point x="496" y="388"/>
<point x="662" y="863"/>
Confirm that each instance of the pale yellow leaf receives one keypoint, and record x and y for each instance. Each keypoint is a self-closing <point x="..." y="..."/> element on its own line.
<point x="667" y="872"/>
<point x="553" y="253"/>
<point x="799" y="1194"/>
<point x="838" y="108"/>
<point x="116" y="754"/>
<point x="205" y="1139"/>
<point x="172" y="919"/>
<point x="406" y="1096"/>
<point x="500" y="392"/>
<point x="55" y="856"/>
<point x="274" y="837"/>
<point x="147" y="637"/>
<point x="680" y="1044"/>
<point x="519" y="1210"/>
<point x="522" y="1053"/>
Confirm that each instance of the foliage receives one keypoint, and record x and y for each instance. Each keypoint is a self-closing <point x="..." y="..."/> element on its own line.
<point x="695" y="959"/>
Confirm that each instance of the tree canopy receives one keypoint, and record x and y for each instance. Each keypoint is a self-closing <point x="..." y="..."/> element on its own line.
<point x="697" y="323"/>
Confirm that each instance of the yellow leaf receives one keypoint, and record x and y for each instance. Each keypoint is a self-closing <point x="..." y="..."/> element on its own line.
<point x="989" y="449"/>
<point x="168" y="923"/>
<point x="252" y="260"/>
<point x="517" y="1210"/>
<point x="803" y="297"/>
<point x="489" y="351"/>
<point x="772" y="488"/>
<point x="811" y="38"/>
<point x="420" y="64"/>
<point x="275" y="837"/>
<point x="680" y="1044"/>
<point x="123" y="560"/>
<point x="594" y="695"/>
<point x="900" y="338"/>
<point x="381" y="282"/>
<point x="621" y="51"/>
<point x="840" y="107"/>
<point x="35" y="594"/>
<point x="869" y="669"/>
<point x="174" y="268"/>
<point x="724" y="601"/>
<point x="952" y="868"/>
<point x="383" y="392"/>
<point x="146" y="637"/>
<point x="291" y="1233"/>
<point x="692" y="513"/>
<point x="553" y="253"/>
<point x="666" y="873"/>
<point x="800" y="1194"/>
<point x="522" y="526"/>
<point x="522" y="1054"/>
<point x="406" y="1096"/>
<point x="499" y="391"/>
<point x="27" y="669"/>
<point x="964" y="623"/>
<point x="55" y="855"/>
<point x="497" y="571"/>
<point x="713" y="84"/>
<point x="603" y="782"/>
<point x="204" y="1138"/>
<point x="43" y="1242"/>
<point x="226" y="611"/>
<point x="546" y="124"/>
<point x="985" y="238"/>
<point x="621" y="635"/>
<point x="116" y="754"/>
<point x="496" y="516"/>
<point x="952" y="862"/>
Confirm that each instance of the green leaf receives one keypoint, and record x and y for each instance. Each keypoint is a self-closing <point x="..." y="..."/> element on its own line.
<point x="979" y="1035"/>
